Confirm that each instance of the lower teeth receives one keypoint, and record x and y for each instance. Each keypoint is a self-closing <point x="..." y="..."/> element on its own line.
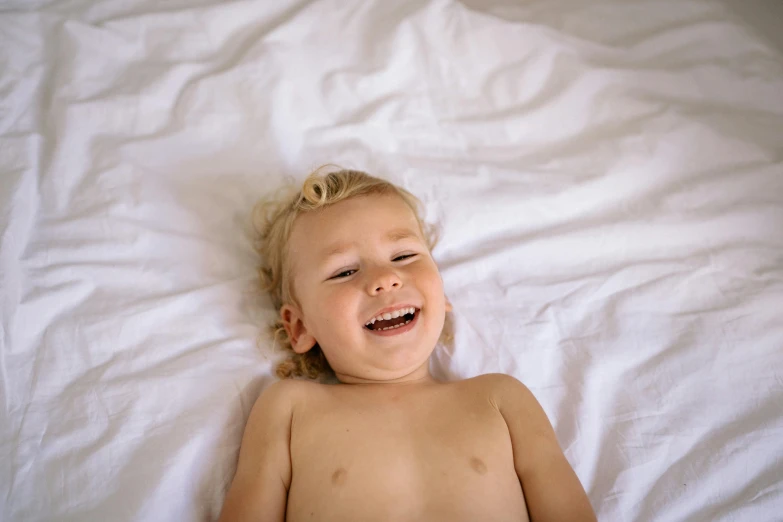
<point x="396" y="326"/>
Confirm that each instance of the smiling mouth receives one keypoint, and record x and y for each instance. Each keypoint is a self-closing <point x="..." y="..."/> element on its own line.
<point x="394" y="323"/>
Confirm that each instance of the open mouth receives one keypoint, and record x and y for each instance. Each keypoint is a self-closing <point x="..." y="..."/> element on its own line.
<point x="396" y="320"/>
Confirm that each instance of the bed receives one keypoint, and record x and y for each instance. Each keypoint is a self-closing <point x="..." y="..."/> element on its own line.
<point x="608" y="178"/>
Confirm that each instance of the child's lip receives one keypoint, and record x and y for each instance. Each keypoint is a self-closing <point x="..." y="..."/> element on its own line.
<point x="397" y="331"/>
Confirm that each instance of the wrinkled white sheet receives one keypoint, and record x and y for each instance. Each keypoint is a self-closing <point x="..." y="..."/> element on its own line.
<point x="608" y="178"/>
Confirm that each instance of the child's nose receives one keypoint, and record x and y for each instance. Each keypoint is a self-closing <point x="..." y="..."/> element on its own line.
<point x="384" y="280"/>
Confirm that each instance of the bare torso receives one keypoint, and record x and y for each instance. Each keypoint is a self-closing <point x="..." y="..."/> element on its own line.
<point x="439" y="451"/>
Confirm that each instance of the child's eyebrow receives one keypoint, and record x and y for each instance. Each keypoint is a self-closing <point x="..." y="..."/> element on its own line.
<point x="394" y="235"/>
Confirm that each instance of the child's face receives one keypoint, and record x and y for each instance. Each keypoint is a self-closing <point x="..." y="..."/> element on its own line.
<point x="351" y="262"/>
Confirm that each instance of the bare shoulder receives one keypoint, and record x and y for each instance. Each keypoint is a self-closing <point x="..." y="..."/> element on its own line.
<point x="501" y="387"/>
<point x="552" y="489"/>
<point x="288" y="389"/>
<point x="514" y="401"/>
<point x="278" y="401"/>
<point x="284" y="394"/>
<point x="263" y="475"/>
<point x="497" y="380"/>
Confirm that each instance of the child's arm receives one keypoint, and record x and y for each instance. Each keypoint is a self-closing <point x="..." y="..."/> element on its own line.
<point x="552" y="489"/>
<point x="260" y="488"/>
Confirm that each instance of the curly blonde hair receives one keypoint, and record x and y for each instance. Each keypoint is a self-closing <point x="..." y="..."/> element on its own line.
<point x="273" y="219"/>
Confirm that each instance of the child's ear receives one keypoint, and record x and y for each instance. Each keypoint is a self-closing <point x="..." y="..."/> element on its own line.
<point x="293" y="322"/>
<point x="449" y="308"/>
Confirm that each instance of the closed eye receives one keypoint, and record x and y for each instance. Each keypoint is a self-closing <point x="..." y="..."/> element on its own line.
<point x="351" y="271"/>
<point x="344" y="273"/>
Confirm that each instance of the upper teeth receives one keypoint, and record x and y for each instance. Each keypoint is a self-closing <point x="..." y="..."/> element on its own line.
<point x="392" y="315"/>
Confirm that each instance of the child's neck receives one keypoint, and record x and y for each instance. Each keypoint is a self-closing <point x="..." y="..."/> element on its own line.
<point x="420" y="375"/>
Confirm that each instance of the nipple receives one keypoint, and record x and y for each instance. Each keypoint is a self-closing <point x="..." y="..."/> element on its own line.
<point x="478" y="465"/>
<point x="339" y="476"/>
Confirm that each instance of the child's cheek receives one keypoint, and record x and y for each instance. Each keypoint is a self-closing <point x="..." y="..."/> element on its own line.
<point x="342" y="299"/>
<point x="433" y="277"/>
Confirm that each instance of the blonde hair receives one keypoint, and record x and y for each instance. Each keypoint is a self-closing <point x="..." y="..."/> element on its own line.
<point x="273" y="220"/>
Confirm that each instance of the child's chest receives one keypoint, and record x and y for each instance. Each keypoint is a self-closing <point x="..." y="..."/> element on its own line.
<point x="409" y="456"/>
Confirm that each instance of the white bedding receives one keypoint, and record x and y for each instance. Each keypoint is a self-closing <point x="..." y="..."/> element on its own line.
<point x="608" y="177"/>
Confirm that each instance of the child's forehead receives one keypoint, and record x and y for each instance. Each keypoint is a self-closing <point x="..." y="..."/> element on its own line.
<point x="375" y="208"/>
<point x="344" y="221"/>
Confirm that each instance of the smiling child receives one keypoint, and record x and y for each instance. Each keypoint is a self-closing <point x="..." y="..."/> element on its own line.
<point x="347" y="261"/>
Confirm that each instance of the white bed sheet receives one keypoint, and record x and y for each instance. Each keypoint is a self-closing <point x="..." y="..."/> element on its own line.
<point x="608" y="178"/>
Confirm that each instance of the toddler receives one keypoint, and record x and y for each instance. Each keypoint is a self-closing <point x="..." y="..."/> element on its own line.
<point x="348" y="263"/>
